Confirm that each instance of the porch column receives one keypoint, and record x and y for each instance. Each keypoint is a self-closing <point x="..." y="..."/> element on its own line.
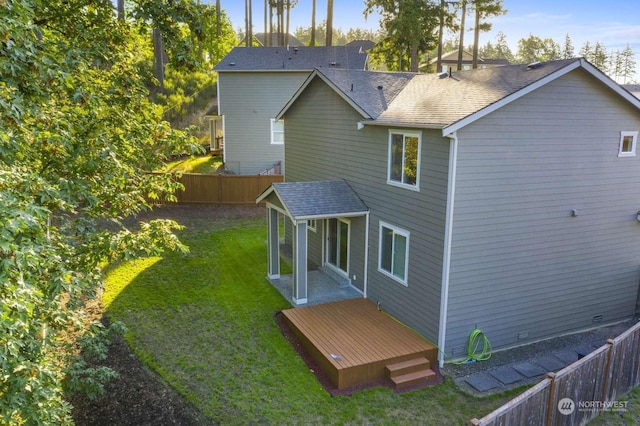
<point x="300" y="263"/>
<point x="273" y="243"/>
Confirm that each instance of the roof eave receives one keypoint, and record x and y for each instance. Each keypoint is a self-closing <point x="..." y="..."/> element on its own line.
<point x="393" y="123"/>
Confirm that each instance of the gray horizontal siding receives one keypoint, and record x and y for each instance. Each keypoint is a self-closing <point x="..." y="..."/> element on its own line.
<point x="520" y="262"/>
<point x="248" y="102"/>
<point x="324" y="143"/>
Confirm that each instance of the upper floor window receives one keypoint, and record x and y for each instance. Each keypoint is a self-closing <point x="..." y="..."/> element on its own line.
<point x="277" y="131"/>
<point x="404" y="159"/>
<point x="628" y="142"/>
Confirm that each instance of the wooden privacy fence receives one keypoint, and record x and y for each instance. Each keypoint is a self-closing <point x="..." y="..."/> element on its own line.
<point x="579" y="392"/>
<point x="223" y="189"/>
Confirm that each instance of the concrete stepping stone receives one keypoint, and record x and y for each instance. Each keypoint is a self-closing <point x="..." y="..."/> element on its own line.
<point x="528" y="369"/>
<point x="567" y="355"/>
<point x="550" y="363"/>
<point x="506" y="375"/>
<point x="482" y="382"/>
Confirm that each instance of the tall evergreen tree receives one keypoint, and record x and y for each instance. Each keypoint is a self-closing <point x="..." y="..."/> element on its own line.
<point x="483" y="9"/>
<point x="568" y="51"/>
<point x="409" y="28"/>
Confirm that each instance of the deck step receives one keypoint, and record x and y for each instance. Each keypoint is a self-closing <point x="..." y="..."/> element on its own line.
<point x="406" y="367"/>
<point x="415" y="378"/>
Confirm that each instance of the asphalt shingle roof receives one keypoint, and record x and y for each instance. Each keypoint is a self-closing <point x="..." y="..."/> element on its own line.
<point x="431" y="100"/>
<point x="372" y="91"/>
<point x="434" y="100"/>
<point x="319" y="199"/>
<point x="303" y="58"/>
<point x="633" y="88"/>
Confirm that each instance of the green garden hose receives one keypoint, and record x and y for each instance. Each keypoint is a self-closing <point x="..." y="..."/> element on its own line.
<point x="477" y="338"/>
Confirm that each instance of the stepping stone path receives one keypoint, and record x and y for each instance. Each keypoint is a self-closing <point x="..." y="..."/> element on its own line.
<point x="482" y="382"/>
<point x="506" y="375"/>
<point x="528" y="369"/>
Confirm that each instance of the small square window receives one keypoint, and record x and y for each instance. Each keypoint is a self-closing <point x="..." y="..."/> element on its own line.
<point x="628" y="142"/>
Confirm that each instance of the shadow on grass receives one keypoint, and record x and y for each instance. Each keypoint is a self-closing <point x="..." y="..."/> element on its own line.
<point x="205" y="322"/>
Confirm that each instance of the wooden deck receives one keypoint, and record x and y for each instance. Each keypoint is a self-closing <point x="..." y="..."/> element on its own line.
<point x="353" y="342"/>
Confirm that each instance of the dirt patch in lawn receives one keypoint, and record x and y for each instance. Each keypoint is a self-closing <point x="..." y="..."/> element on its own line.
<point x="139" y="396"/>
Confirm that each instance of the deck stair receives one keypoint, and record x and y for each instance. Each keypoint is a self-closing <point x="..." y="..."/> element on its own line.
<point x="415" y="371"/>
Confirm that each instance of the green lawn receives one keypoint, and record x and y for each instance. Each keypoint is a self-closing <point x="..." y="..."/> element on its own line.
<point x="204" y="164"/>
<point x="205" y="322"/>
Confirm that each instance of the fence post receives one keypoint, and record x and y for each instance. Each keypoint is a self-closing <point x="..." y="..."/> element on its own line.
<point x="607" y="369"/>
<point x="552" y="390"/>
<point x="474" y="422"/>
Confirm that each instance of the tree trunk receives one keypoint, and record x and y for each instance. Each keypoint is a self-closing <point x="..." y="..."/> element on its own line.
<point x="329" y="40"/>
<point x="443" y="4"/>
<point x="413" y="51"/>
<point x="286" y="35"/>
<point x="267" y="42"/>
<point x="159" y="58"/>
<point x="476" y="37"/>
<point x="313" y="23"/>
<point x="121" y="10"/>
<point x="461" y="44"/>
<point x="250" y="27"/>
<point x="218" y="19"/>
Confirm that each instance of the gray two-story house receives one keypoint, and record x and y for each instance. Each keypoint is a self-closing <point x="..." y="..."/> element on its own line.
<point x="505" y="199"/>
<point x="253" y="86"/>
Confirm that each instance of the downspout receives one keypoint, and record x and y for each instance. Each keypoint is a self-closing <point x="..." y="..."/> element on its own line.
<point x="224" y="130"/>
<point x="448" y="236"/>
<point x="366" y="254"/>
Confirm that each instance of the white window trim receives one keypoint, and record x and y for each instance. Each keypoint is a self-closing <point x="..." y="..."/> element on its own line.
<point x="312" y="225"/>
<point x="405" y="234"/>
<point x="631" y="153"/>
<point x="273" y="141"/>
<point x="404" y="133"/>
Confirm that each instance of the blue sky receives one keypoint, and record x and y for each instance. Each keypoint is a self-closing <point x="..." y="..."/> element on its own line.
<point x="615" y="24"/>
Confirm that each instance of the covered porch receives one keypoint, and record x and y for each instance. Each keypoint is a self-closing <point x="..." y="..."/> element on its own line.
<point x="322" y="287"/>
<point x="327" y="227"/>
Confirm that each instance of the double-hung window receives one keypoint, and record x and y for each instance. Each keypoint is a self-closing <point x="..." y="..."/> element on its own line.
<point x="404" y="159"/>
<point x="277" y="131"/>
<point x="394" y="252"/>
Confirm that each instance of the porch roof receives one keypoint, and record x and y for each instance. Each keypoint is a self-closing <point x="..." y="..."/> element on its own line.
<point x="314" y="200"/>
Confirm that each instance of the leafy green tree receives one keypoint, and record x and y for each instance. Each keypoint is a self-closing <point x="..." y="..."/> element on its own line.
<point x="409" y="28"/>
<point x="502" y="48"/>
<point x="77" y="142"/>
<point x="534" y="48"/>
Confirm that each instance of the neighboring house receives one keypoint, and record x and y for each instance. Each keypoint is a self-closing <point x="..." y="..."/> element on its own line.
<point x="365" y="45"/>
<point x="633" y="88"/>
<point x="505" y="199"/>
<point x="449" y="62"/>
<point x="261" y="39"/>
<point x="253" y="86"/>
